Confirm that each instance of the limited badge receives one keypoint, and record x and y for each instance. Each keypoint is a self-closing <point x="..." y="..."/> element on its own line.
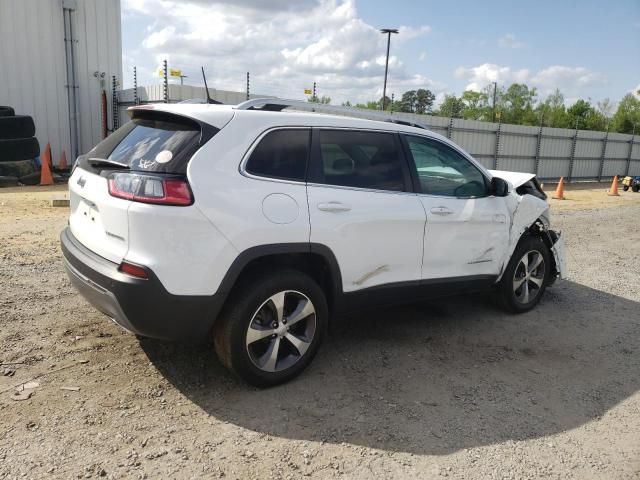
<point x="164" y="156"/>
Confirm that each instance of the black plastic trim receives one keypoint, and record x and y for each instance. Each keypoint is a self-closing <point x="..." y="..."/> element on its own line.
<point x="148" y="309"/>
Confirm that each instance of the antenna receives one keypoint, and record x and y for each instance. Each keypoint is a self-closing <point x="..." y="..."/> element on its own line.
<point x="209" y="99"/>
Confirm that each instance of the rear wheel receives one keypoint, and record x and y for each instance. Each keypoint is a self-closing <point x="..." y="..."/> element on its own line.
<point x="625" y="187"/>
<point x="272" y="327"/>
<point x="526" y="276"/>
<point x="635" y="188"/>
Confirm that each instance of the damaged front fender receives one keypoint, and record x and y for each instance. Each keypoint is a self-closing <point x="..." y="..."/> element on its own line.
<point x="529" y="211"/>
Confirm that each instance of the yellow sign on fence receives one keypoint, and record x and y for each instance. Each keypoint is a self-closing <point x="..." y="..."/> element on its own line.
<point x="172" y="72"/>
<point x="307" y="91"/>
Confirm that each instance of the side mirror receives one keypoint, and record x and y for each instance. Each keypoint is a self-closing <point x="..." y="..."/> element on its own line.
<point x="499" y="187"/>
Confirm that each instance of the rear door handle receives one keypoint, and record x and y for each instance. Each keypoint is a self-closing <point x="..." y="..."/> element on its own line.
<point x="441" y="211"/>
<point x="334" y="207"/>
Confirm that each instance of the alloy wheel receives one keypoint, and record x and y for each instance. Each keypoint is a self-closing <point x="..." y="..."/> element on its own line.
<point x="281" y="331"/>
<point x="529" y="276"/>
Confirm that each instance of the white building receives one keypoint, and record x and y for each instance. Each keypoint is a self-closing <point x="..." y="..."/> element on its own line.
<point x="56" y="59"/>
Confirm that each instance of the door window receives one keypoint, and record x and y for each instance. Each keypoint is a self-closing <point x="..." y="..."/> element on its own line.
<point x="443" y="171"/>
<point x="281" y="154"/>
<point x="359" y="159"/>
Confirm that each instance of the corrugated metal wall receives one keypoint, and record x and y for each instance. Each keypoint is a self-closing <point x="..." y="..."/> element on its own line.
<point x="549" y="152"/>
<point x="33" y="72"/>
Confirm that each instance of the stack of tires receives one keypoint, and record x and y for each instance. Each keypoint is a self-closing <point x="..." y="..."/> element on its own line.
<point x="18" y="149"/>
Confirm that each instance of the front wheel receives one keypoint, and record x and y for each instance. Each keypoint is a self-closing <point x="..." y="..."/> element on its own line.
<point x="635" y="188"/>
<point x="625" y="187"/>
<point x="272" y="327"/>
<point x="526" y="276"/>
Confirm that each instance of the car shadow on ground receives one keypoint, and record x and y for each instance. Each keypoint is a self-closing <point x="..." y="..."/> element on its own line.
<point x="437" y="377"/>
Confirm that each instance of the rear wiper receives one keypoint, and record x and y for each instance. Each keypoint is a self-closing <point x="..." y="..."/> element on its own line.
<point x="103" y="162"/>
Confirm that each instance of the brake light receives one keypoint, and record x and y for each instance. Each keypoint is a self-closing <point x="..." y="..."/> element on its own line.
<point x="150" y="189"/>
<point x="133" y="270"/>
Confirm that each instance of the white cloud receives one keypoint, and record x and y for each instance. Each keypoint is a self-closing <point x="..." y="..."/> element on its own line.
<point x="509" y="40"/>
<point x="422" y="56"/>
<point x="482" y="75"/>
<point x="296" y="44"/>
<point x="636" y="91"/>
<point x="570" y="80"/>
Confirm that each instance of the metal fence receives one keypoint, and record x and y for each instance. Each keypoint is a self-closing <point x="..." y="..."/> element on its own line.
<point x="550" y="153"/>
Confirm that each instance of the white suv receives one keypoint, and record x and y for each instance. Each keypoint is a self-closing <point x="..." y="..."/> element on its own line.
<point x="254" y="226"/>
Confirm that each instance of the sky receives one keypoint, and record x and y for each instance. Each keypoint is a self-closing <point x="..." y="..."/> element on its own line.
<point x="588" y="49"/>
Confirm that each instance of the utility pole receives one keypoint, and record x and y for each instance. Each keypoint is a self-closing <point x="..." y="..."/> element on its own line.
<point x="388" y="32"/>
<point x="247" y="85"/>
<point x="315" y="99"/>
<point x="495" y="91"/>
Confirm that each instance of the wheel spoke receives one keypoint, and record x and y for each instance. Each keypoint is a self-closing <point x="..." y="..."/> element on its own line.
<point x="278" y="303"/>
<point x="300" y="344"/>
<point x="255" y="334"/>
<point x="536" y="281"/>
<point x="302" y="311"/>
<point x="269" y="359"/>
<point x="537" y="260"/>
<point x="525" y="292"/>
<point x="517" y="283"/>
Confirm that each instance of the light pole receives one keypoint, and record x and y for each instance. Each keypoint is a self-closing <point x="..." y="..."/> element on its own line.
<point x="388" y="32"/>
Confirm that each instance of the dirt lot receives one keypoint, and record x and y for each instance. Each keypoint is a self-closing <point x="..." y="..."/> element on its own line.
<point x="453" y="388"/>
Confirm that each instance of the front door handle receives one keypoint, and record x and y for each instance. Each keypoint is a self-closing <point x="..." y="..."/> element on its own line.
<point x="441" y="211"/>
<point x="334" y="207"/>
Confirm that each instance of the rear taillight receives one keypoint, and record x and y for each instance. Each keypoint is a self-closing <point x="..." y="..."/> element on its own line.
<point x="150" y="189"/>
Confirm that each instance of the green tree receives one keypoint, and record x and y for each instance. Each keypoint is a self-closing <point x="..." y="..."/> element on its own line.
<point x="627" y="116"/>
<point x="517" y="105"/>
<point x="316" y="99"/>
<point x="553" y="111"/>
<point x="476" y="105"/>
<point x="416" y="101"/>
<point x="451" y="106"/>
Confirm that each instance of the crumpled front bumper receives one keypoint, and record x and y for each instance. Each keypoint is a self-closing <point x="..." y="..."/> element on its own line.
<point x="559" y="254"/>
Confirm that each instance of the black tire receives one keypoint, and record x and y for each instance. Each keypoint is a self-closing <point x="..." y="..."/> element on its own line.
<point x="635" y="188"/>
<point x="245" y="307"/>
<point x="18" y="168"/>
<point x="20" y="126"/>
<point x="8" y="181"/>
<point x="19" y="149"/>
<point x="514" y="300"/>
<point x="7" y="111"/>
<point x="625" y="187"/>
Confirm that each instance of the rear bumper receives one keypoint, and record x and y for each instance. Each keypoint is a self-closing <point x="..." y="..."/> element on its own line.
<point x="140" y="306"/>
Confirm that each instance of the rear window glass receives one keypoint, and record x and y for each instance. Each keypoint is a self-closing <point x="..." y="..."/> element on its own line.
<point x="152" y="142"/>
<point x="281" y="154"/>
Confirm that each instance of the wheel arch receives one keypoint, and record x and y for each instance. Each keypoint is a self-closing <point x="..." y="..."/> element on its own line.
<point x="316" y="260"/>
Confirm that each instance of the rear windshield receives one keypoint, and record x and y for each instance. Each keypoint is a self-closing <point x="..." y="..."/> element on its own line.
<point x="154" y="142"/>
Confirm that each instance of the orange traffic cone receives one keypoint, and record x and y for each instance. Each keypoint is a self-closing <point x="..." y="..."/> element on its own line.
<point x="559" y="195"/>
<point x="613" y="191"/>
<point x="62" y="165"/>
<point x="46" y="178"/>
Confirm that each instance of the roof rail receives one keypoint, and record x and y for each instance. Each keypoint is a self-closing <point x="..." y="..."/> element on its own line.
<point x="279" y="104"/>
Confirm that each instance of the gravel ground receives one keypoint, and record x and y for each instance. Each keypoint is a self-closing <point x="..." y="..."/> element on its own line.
<point x="453" y="388"/>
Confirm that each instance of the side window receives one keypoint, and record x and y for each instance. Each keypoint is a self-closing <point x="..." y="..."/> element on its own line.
<point x="360" y="159"/>
<point x="443" y="171"/>
<point x="281" y="154"/>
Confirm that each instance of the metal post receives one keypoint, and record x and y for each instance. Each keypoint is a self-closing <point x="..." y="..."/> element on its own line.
<point x="315" y="99"/>
<point x="602" y="154"/>
<point x="114" y="104"/>
<point x="247" y="85"/>
<point x="633" y="137"/>
<point x="495" y="158"/>
<point x="495" y="91"/>
<point x="136" y="100"/>
<point x="165" y="89"/>
<point x="392" y="97"/>
<point x="388" y="31"/>
<point x="573" y="153"/>
<point x="450" y="127"/>
<point x="538" y="146"/>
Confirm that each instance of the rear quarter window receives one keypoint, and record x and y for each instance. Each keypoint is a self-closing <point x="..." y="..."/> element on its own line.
<point x="155" y="142"/>
<point x="281" y="154"/>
